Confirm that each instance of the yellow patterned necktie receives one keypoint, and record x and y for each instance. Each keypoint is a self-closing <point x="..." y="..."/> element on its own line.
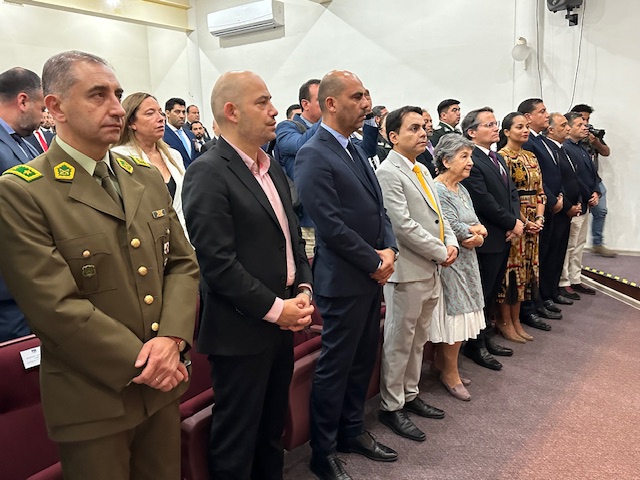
<point x="434" y="204"/>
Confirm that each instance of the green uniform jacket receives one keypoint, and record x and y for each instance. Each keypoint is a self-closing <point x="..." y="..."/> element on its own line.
<point x="95" y="284"/>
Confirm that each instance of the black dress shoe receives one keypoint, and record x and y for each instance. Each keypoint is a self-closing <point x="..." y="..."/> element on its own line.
<point x="482" y="357"/>
<point x="562" y="300"/>
<point x="552" y="307"/>
<point x="364" y="444"/>
<point x="420" y="408"/>
<point x="546" y="313"/>
<point x="495" y="349"/>
<point x="582" y="288"/>
<point x="534" y="321"/>
<point x="567" y="292"/>
<point x="328" y="468"/>
<point x="401" y="424"/>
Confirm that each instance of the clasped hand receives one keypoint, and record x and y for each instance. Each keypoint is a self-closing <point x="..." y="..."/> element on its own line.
<point x="296" y="313"/>
<point x="386" y="268"/>
<point x="163" y="369"/>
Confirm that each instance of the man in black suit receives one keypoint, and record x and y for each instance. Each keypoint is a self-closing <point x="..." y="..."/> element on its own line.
<point x="212" y="143"/>
<point x="497" y="205"/>
<point x="355" y="255"/>
<point x="449" y="113"/>
<point x="426" y="157"/>
<point x="256" y="280"/>
<point x="175" y="134"/>
<point x="551" y="255"/>
<point x="193" y="116"/>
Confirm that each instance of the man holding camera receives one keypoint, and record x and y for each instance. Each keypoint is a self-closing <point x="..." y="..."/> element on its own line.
<point x="596" y="146"/>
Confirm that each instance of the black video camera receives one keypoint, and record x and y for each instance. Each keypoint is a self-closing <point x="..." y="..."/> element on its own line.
<point x="599" y="134"/>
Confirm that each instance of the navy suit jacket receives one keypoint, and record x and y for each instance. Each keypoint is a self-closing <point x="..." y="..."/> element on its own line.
<point x="497" y="205"/>
<point x="551" y="173"/>
<point x="12" y="321"/>
<point x="345" y="202"/>
<point x="573" y="187"/>
<point x="174" y="142"/>
<point x="584" y="166"/>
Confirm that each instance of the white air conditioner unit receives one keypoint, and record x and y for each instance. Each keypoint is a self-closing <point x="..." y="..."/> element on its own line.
<point x="252" y="17"/>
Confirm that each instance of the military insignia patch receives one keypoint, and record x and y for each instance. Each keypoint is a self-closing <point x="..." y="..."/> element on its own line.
<point x="25" y="172"/>
<point x="125" y="166"/>
<point x="140" y="162"/>
<point x="159" y="213"/>
<point x="64" y="172"/>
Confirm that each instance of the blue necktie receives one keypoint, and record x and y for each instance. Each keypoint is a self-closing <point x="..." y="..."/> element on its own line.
<point x="185" y="141"/>
<point x="23" y="146"/>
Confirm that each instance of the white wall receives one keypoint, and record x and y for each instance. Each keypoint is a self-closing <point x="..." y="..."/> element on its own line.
<point x="405" y="51"/>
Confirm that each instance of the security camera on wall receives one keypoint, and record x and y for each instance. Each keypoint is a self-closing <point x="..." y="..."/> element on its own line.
<point x="568" y="5"/>
<point x="558" y="5"/>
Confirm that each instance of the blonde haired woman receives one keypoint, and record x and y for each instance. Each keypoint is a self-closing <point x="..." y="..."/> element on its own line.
<point x="142" y="138"/>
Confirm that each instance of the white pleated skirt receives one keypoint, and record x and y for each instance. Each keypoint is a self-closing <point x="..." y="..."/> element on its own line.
<point x="457" y="328"/>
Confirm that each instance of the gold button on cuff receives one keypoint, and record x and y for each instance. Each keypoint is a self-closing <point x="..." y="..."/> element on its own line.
<point x="86" y="253"/>
<point x="142" y="271"/>
<point x="135" y="243"/>
<point x="155" y="326"/>
<point x="148" y="299"/>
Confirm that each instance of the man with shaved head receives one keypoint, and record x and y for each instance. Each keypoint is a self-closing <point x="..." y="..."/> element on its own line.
<point x="355" y="255"/>
<point x="256" y="281"/>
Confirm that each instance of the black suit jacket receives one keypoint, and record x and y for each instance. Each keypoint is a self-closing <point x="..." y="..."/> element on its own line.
<point x="426" y="159"/>
<point x="344" y="200"/>
<point x="551" y="174"/>
<point x="209" y="145"/>
<point x="573" y="188"/>
<point x="497" y="205"/>
<point x="241" y="250"/>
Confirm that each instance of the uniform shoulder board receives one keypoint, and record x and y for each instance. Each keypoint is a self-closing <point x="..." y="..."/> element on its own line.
<point x="126" y="166"/>
<point x="25" y="172"/>
<point x="140" y="161"/>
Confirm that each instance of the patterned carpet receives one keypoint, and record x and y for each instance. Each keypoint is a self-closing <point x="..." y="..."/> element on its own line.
<point x="565" y="406"/>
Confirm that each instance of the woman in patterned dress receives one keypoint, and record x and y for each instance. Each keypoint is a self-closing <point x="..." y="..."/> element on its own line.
<point x="520" y="282"/>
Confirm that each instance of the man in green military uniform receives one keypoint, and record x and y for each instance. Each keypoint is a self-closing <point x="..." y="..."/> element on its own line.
<point x="95" y="257"/>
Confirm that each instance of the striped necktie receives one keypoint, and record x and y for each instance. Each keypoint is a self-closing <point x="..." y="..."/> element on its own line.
<point x="432" y="201"/>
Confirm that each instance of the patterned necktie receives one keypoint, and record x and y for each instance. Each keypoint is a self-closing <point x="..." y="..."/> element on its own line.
<point x="102" y="172"/>
<point x="23" y="146"/>
<point x="432" y="201"/>
<point x="430" y="147"/>
<point x="494" y="159"/>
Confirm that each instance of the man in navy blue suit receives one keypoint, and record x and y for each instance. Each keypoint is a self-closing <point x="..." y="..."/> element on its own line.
<point x="355" y="255"/>
<point x="175" y="135"/>
<point x="21" y="107"/>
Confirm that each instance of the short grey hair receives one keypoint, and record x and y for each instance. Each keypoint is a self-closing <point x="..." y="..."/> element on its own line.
<point x="448" y="147"/>
<point x="58" y="73"/>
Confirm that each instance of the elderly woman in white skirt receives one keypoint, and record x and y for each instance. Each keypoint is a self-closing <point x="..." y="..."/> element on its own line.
<point x="459" y="316"/>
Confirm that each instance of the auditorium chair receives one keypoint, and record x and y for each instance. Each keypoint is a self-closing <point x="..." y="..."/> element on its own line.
<point x="26" y="451"/>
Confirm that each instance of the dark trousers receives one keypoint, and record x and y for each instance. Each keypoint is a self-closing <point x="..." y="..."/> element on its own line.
<point x="492" y="268"/>
<point x="350" y="334"/>
<point x="552" y="253"/>
<point x="251" y="396"/>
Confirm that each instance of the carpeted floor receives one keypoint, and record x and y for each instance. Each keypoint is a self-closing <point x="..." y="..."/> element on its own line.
<point x="565" y="406"/>
<point x="624" y="266"/>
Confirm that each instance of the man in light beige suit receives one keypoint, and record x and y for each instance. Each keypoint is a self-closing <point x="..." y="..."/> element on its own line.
<point x="426" y="243"/>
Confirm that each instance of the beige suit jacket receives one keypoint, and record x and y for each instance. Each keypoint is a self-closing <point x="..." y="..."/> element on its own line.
<point x="95" y="284"/>
<point x="414" y="220"/>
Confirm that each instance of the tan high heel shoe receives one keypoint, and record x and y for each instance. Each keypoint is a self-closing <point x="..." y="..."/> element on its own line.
<point x="508" y="332"/>
<point x="521" y="331"/>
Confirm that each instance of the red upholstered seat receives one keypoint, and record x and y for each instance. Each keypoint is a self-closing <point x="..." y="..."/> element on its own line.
<point x="25" y="448"/>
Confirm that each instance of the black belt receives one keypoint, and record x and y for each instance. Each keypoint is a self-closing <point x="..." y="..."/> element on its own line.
<point x="288" y="292"/>
<point x="522" y="193"/>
